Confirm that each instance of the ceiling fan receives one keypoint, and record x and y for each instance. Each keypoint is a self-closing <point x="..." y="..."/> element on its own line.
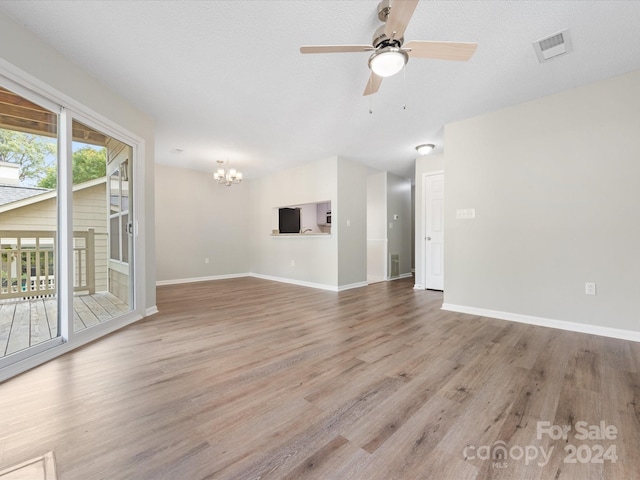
<point x="390" y="53"/>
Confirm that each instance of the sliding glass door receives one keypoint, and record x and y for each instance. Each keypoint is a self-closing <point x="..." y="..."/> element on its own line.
<point x="28" y="224"/>
<point x="102" y="229"/>
<point x="66" y="225"/>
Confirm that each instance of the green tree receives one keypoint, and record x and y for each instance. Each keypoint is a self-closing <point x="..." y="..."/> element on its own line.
<point x="88" y="163"/>
<point x="32" y="152"/>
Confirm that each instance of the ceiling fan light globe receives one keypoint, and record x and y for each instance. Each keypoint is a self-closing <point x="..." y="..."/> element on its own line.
<point x="388" y="61"/>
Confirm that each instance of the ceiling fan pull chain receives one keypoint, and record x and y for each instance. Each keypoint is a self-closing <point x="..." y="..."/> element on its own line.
<point x="404" y="86"/>
<point x="370" y="104"/>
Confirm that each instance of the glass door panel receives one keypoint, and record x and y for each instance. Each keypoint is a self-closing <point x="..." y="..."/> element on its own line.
<point x="28" y="224"/>
<point x="101" y="241"/>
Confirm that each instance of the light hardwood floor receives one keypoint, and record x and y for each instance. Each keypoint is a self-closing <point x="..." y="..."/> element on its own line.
<point x="246" y="378"/>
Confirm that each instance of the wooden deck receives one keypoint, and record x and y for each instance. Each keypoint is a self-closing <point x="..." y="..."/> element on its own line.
<point x="24" y="323"/>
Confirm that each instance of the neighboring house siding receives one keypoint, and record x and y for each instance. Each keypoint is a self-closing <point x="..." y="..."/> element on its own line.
<point x="119" y="285"/>
<point x="89" y="211"/>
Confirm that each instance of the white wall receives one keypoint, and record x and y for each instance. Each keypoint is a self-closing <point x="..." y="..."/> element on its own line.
<point x="554" y="183"/>
<point x="42" y="65"/>
<point x="426" y="164"/>
<point x="200" y="219"/>
<point x="312" y="259"/>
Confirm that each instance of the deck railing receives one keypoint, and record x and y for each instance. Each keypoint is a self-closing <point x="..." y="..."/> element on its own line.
<point x="28" y="263"/>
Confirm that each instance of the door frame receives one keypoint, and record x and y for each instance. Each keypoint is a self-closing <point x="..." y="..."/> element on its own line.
<point x="423" y="221"/>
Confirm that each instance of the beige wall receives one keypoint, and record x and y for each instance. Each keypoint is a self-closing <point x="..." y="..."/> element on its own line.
<point x="554" y="183"/>
<point x="350" y="223"/>
<point x="312" y="260"/>
<point x="199" y="219"/>
<point x="232" y="226"/>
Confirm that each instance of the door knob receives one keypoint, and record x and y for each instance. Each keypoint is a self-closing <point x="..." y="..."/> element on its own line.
<point x="428" y="239"/>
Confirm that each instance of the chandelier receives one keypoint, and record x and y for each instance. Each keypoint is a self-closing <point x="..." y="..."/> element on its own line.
<point x="226" y="177"/>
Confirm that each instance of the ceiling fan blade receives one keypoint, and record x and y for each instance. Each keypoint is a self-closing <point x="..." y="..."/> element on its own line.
<point x="460" y="51"/>
<point x="399" y="16"/>
<point x="373" y="84"/>
<point x="335" y="48"/>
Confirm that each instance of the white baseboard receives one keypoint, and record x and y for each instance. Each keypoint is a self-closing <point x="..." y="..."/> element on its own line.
<point x="383" y="279"/>
<point x="200" y="279"/>
<point x="342" y="288"/>
<point x="602" y="331"/>
<point x="292" y="281"/>
<point x="264" y="277"/>
<point x="151" y="311"/>
<point x="402" y="275"/>
<point x="417" y="286"/>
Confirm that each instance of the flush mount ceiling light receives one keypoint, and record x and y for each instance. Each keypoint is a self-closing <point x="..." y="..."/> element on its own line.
<point x="226" y="177"/>
<point x="388" y="61"/>
<point x="425" y="148"/>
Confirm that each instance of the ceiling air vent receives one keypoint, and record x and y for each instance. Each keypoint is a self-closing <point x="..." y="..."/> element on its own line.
<point x="552" y="46"/>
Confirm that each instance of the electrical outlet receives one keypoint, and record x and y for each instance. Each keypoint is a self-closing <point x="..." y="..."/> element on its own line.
<point x="590" y="288"/>
<point x="293" y="263"/>
<point x="348" y="223"/>
<point x="206" y="260"/>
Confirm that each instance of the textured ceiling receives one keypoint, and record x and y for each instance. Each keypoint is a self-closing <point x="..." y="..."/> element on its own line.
<point x="225" y="79"/>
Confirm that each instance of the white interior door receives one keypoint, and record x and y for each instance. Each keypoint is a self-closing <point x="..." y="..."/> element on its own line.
<point x="434" y="231"/>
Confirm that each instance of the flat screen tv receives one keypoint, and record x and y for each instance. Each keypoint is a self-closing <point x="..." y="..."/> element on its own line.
<point x="289" y="220"/>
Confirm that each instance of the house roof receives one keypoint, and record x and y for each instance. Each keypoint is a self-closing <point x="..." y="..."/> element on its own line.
<point x="225" y="79"/>
<point x="13" y="193"/>
<point x="43" y="194"/>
